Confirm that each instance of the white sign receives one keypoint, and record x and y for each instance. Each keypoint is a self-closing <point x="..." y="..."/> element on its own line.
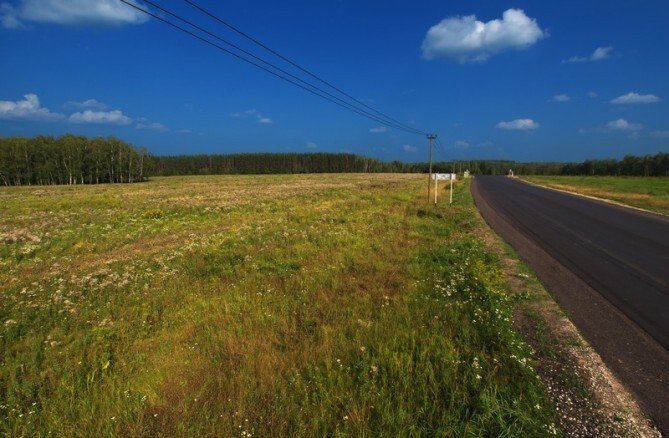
<point x="444" y="176"/>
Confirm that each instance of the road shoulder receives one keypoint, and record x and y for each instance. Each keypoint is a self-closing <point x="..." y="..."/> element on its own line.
<point x="589" y="398"/>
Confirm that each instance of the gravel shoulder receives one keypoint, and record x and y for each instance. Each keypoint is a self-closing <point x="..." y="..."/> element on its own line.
<point x="589" y="398"/>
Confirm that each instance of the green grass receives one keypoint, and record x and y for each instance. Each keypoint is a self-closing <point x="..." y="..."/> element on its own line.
<point x="646" y="193"/>
<point x="275" y="305"/>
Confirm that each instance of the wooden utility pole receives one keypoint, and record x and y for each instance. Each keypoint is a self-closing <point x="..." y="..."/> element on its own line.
<point x="430" y="137"/>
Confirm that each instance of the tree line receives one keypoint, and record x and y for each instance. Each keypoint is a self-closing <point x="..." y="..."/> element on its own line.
<point x="70" y="159"/>
<point x="264" y="163"/>
<point x="74" y="159"/>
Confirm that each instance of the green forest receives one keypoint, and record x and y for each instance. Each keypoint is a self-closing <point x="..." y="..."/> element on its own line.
<point x="70" y="159"/>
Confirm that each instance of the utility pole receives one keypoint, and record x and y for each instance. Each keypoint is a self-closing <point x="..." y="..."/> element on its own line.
<point x="430" y="137"/>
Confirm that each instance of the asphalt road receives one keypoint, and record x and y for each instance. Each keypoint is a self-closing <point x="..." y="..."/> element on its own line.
<point x="608" y="266"/>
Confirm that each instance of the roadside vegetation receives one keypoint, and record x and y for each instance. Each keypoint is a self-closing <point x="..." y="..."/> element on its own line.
<point x="646" y="193"/>
<point x="257" y="306"/>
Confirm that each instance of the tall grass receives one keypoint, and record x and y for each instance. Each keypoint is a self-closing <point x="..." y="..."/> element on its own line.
<point x="336" y="305"/>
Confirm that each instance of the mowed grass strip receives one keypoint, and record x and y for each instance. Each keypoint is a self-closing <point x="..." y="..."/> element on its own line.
<point x="647" y="193"/>
<point x="255" y="306"/>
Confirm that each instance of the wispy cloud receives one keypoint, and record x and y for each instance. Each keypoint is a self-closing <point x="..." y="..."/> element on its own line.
<point x="561" y="98"/>
<point x="87" y="104"/>
<point x="599" y="54"/>
<point x="114" y="117"/>
<point x="461" y="144"/>
<point x="467" y="39"/>
<point x="518" y="125"/>
<point x="623" y="125"/>
<point x="252" y="113"/>
<point x="634" y="98"/>
<point x="159" y="127"/>
<point x="378" y="130"/>
<point x="409" y="148"/>
<point x="27" y="109"/>
<point x="311" y="145"/>
<point x="69" y="12"/>
<point x="660" y="134"/>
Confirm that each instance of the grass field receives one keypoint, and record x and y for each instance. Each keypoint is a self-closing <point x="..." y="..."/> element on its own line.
<point x="647" y="193"/>
<point x="257" y="306"/>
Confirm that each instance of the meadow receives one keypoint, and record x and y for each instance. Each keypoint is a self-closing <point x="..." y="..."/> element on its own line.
<point x="308" y="305"/>
<point x="651" y="193"/>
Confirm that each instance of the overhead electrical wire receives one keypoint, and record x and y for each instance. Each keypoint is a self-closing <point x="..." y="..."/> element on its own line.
<point x="294" y="80"/>
<point x="294" y="64"/>
<point x="391" y="123"/>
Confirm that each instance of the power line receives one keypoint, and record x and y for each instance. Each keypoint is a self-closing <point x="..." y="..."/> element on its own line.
<point x="391" y="124"/>
<point x="313" y="89"/>
<point x="304" y="70"/>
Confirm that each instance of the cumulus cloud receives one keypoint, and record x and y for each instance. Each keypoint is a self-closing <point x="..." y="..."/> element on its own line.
<point x="70" y="12"/>
<point x="518" y="125"/>
<point x="623" y="125"/>
<point x="632" y="98"/>
<point x="599" y="54"/>
<point x="27" y="109"/>
<point x="378" y="130"/>
<point x="561" y="98"/>
<point x="115" y="117"/>
<point x="467" y="39"/>
<point x="265" y="120"/>
<point x="409" y="148"/>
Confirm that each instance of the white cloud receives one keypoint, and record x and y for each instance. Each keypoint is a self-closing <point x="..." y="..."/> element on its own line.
<point x="660" y="134"/>
<point x="311" y="145"/>
<point x="153" y="127"/>
<point x="27" y="109"/>
<point x="623" y="125"/>
<point x="252" y="113"/>
<point x="378" y="130"/>
<point x="632" y="98"/>
<point x="70" y="12"/>
<point x="409" y="148"/>
<point x="518" y="125"/>
<point x="599" y="54"/>
<point x="593" y="95"/>
<point x="115" y="117"/>
<point x="561" y="98"/>
<point x="185" y="131"/>
<point x="467" y="39"/>
<point x="461" y="144"/>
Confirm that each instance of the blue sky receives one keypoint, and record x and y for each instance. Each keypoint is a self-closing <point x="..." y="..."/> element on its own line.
<point x="524" y="80"/>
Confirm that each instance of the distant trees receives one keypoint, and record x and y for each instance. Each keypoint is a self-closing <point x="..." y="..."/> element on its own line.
<point x="648" y="165"/>
<point x="69" y="159"/>
<point x="74" y="159"/>
<point x="262" y="163"/>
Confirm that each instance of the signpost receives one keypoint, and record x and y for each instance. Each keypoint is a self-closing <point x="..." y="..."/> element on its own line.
<point x="443" y="176"/>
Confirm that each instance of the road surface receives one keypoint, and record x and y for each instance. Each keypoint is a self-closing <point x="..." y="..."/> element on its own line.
<point x="608" y="266"/>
